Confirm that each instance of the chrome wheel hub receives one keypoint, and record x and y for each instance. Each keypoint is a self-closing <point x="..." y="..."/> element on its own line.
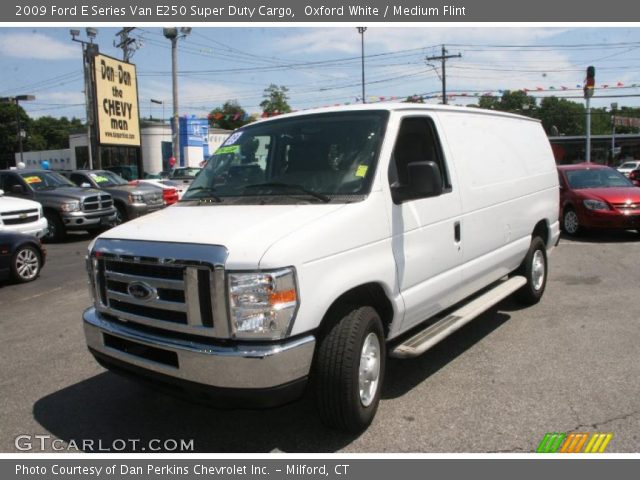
<point x="369" y="370"/>
<point x="537" y="270"/>
<point x="571" y="222"/>
<point x="27" y="264"/>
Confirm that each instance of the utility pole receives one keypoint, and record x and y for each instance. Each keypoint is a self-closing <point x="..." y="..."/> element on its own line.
<point x="443" y="58"/>
<point x="127" y="44"/>
<point x="589" y="87"/>
<point x="173" y="34"/>
<point x="361" y="31"/>
<point x="89" y="51"/>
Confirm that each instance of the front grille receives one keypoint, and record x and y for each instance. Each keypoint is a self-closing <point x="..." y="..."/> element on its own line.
<point x="153" y="292"/>
<point x="153" y="198"/>
<point x="627" y="206"/>
<point x="19" y="217"/>
<point x="97" y="202"/>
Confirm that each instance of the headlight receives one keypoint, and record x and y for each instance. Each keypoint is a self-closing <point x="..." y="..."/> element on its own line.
<point x="595" y="205"/>
<point x="136" y="198"/>
<point x="70" y="206"/>
<point x="262" y="304"/>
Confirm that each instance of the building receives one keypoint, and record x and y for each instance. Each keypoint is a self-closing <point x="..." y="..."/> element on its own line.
<point x="571" y="149"/>
<point x="152" y="156"/>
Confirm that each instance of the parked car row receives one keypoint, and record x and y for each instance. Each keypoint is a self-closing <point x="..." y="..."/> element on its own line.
<point x="22" y="226"/>
<point x="594" y="196"/>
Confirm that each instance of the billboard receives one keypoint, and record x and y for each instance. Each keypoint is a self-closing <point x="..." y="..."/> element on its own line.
<point x="116" y="93"/>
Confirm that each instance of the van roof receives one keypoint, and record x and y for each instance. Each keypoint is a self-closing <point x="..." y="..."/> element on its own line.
<point x="401" y="107"/>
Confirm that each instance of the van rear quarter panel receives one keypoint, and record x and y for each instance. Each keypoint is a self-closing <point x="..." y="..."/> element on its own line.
<point x="508" y="183"/>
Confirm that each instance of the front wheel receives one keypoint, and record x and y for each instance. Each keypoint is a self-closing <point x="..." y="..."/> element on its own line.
<point x="349" y="369"/>
<point x="56" y="230"/>
<point x="571" y="222"/>
<point x="534" y="269"/>
<point x="26" y="264"/>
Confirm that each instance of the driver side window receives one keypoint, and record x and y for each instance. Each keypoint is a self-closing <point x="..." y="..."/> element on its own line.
<point x="417" y="142"/>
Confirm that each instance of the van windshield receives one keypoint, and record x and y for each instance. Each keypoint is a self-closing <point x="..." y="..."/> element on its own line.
<point x="320" y="158"/>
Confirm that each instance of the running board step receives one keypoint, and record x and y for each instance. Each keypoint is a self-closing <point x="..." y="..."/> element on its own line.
<point x="427" y="338"/>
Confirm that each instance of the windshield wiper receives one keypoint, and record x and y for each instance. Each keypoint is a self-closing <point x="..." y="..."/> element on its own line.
<point x="208" y="190"/>
<point x="291" y="186"/>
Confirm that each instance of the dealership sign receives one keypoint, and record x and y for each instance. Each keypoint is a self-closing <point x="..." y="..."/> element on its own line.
<point x="116" y="90"/>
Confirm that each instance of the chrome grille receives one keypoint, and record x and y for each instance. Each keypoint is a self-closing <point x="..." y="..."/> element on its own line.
<point x="97" y="202"/>
<point x="183" y="295"/>
<point x="19" y="217"/>
<point x="153" y="198"/>
<point x="627" y="206"/>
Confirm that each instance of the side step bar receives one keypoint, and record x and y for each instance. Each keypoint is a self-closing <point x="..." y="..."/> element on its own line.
<point x="427" y="338"/>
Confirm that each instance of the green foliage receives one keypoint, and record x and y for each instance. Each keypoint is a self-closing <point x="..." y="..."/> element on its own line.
<point x="275" y="100"/>
<point x="229" y="116"/>
<point x="562" y="116"/>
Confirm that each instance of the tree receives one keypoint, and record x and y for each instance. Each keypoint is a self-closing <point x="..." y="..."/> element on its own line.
<point x="229" y="116"/>
<point x="414" y="99"/>
<point x="9" y="132"/>
<point x="567" y="117"/>
<point x="511" y="101"/>
<point x="54" y="132"/>
<point x="275" y="100"/>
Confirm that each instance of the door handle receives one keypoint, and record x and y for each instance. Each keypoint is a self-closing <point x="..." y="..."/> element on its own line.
<point x="456" y="231"/>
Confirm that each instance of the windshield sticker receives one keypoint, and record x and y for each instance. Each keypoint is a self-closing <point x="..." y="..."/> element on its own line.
<point x="232" y="139"/>
<point x="33" y="179"/>
<point x="361" y="171"/>
<point x="98" y="178"/>
<point x="229" y="149"/>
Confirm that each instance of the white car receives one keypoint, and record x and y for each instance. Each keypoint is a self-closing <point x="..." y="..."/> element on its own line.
<point x="315" y="244"/>
<point x="627" y="167"/>
<point x="22" y="216"/>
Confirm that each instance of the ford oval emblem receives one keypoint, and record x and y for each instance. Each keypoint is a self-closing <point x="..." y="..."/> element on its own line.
<point x="141" y="291"/>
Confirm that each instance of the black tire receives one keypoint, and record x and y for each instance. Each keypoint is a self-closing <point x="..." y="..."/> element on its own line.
<point x="121" y="215"/>
<point x="56" y="230"/>
<point x="337" y="365"/>
<point x="571" y="222"/>
<point x="532" y="292"/>
<point x="26" y="264"/>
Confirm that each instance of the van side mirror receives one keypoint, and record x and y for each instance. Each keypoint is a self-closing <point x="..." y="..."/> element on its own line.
<point x="424" y="179"/>
<point x="18" y="189"/>
<point x="1" y="192"/>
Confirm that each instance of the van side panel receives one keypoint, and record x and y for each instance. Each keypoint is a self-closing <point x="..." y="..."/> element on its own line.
<point x="508" y="183"/>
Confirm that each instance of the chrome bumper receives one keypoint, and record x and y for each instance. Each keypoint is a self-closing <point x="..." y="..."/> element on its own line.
<point x="241" y="366"/>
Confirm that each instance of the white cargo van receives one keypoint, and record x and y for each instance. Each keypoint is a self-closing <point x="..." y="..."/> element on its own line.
<point x="315" y="244"/>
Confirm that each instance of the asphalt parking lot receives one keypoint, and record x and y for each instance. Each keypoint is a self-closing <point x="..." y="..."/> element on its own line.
<point x="568" y="364"/>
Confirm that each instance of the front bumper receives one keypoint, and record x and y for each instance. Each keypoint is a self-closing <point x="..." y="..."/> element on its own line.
<point x="610" y="219"/>
<point x="246" y="367"/>
<point x="89" y="220"/>
<point x="38" y="228"/>
<point x="135" y="210"/>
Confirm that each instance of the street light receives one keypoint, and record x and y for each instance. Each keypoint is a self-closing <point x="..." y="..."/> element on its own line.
<point x="173" y="34"/>
<point x="614" y="107"/>
<point x="17" y="99"/>
<point x="361" y="31"/>
<point x="157" y="102"/>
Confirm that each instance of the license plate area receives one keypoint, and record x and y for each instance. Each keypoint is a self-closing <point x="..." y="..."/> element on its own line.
<point x="153" y="354"/>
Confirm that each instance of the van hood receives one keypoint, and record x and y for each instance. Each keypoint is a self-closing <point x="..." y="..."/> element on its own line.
<point x="11" y="204"/>
<point x="246" y="230"/>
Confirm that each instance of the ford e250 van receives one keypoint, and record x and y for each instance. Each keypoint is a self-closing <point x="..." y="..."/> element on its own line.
<point x="316" y="244"/>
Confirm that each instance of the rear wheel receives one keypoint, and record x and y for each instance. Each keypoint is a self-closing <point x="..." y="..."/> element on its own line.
<point x="26" y="264"/>
<point x="349" y="369"/>
<point x="571" y="222"/>
<point x="56" y="231"/>
<point x="534" y="269"/>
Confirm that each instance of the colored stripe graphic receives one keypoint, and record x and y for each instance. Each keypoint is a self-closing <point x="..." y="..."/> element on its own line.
<point x="572" y="443"/>
<point x="598" y="442"/>
<point x="550" y="443"/>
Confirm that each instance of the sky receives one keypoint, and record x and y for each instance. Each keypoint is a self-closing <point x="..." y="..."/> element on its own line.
<point x="322" y="65"/>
